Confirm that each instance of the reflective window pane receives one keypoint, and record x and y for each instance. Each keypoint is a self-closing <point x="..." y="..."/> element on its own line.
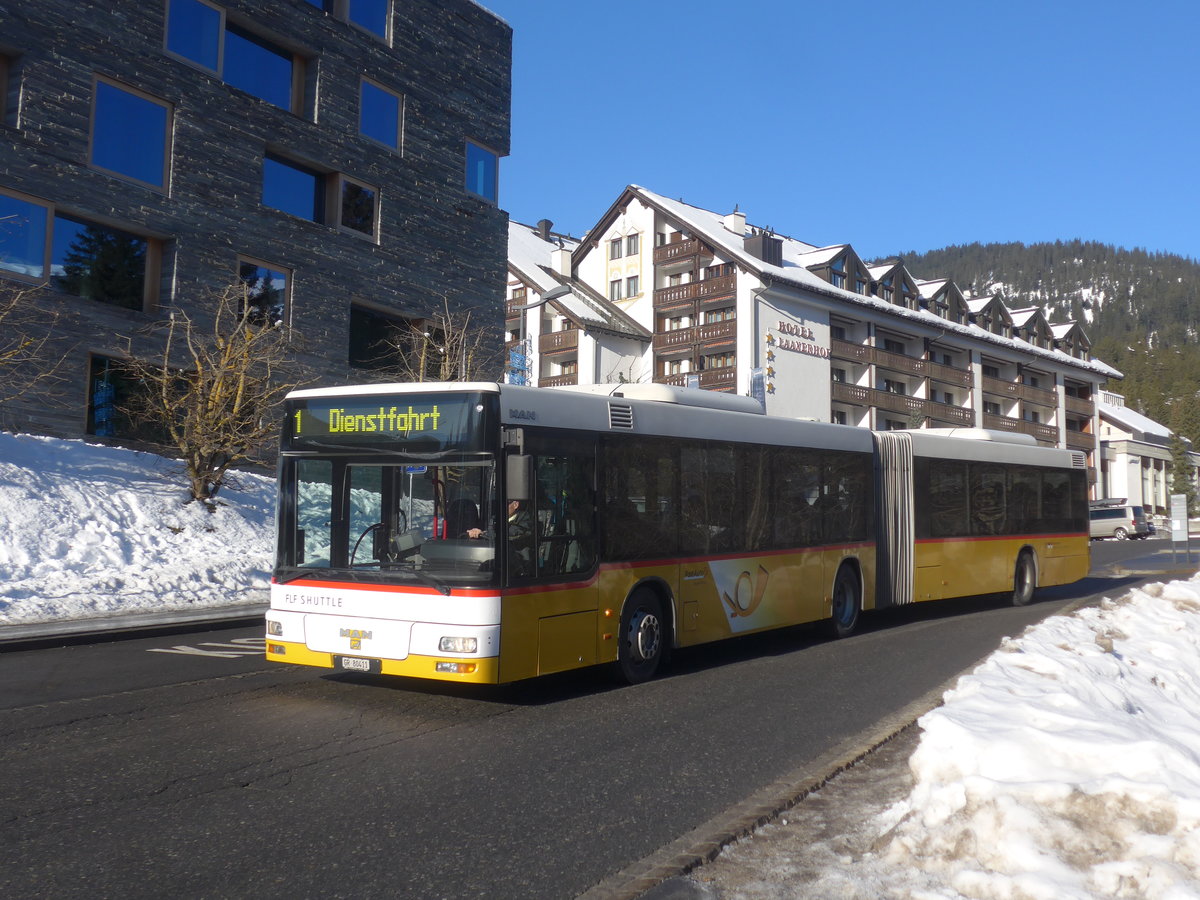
<point x="23" y="237"/>
<point x="194" y="32"/>
<point x="266" y="293"/>
<point x="482" y="166"/>
<point x="98" y="262"/>
<point x="379" y="115"/>
<point x="358" y="207"/>
<point x="371" y="15"/>
<point x="292" y="189"/>
<point x="129" y="134"/>
<point x="258" y="67"/>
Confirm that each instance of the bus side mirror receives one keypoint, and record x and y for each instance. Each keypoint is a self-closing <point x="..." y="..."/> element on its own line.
<point x="518" y="475"/>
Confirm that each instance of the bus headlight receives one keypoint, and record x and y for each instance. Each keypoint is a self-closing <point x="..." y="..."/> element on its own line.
<point x="458" y="645"/>
<point x="274" y="628"/>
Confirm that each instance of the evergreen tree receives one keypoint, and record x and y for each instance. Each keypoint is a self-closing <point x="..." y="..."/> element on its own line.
<point x="1181" y="473"/>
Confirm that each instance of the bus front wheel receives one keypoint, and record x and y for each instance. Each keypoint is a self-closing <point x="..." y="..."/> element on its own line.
<point x="642" y="639"/>
<point x="1024" y="580"/>
<point x="847" y="602"/>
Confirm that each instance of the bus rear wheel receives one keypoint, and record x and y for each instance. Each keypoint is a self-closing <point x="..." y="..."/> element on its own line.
<point x="1024" y="580"/>
<point x="847" y="603"/>
<point x="642" y="640"/>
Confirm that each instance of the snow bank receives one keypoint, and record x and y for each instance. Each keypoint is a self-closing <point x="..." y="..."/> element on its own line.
<point x="88" y="530"/>
<point x="1068" y="764"/>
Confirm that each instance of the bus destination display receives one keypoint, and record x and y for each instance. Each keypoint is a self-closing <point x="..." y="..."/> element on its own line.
<point x="439" y="421"/>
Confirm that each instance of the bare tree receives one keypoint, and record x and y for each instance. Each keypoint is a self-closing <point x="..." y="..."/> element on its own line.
<point x="214" y="391"/>
<point x="25" y="333"/>
<point x="448" y="346"/>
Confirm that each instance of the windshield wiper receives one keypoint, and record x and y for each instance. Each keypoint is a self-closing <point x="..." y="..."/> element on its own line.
<point x="299" y="573"/>
<point x="424" y="577"/>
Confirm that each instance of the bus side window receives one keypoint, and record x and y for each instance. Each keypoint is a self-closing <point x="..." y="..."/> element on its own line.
<point x="564" y="513"/>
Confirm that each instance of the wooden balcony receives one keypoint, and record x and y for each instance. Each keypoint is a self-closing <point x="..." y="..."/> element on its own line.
<point x="1025" y="392"/>
<point x="950" y="375"/>
<point x="559" y="341"/>
<point x="900" y="403"/>
<point x="859" y="353"/>
<point x="680" y="251"/>
<point x="719" y="379"/>
<point x="1046" y="433"/>
<point x="898" y="362"/>
<point x="512" y="308"/>
<point x="717" y="331"/>
<point x="709" y="288"/>
<point x="558" y="380"/>
<point x="1081" y="440"/>
<point x="675" y="341"/>
<point x="1079" y="406"/>
<point x="711" y="379"/>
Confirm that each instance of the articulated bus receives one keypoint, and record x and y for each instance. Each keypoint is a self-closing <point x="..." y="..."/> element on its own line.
<point x="488" y="533"/>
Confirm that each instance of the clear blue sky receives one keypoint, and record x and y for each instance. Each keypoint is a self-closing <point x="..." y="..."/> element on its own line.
<point x="891" y="126"/>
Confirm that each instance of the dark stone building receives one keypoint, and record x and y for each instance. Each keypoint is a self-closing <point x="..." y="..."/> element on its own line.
<point x="338" y="156"/>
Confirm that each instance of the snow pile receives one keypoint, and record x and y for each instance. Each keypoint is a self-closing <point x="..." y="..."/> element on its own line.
<point x="88" y="530"/>
<point x="1067" y="765"/>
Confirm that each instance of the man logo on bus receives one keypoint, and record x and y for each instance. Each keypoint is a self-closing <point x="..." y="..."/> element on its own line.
<point x="747" y="594"/>
<point x="356" y="635"/>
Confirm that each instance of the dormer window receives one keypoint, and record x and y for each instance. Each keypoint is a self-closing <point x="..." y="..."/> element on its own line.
<point x="860" y="286"/>
<point x="837" y="272"/>
<point x="885" y="289"/>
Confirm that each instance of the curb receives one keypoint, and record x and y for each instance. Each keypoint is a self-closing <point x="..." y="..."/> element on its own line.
<point x="128" y="622"/>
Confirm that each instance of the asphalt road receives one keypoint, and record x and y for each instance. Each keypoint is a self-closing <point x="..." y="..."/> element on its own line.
<point x="203" y="772"/>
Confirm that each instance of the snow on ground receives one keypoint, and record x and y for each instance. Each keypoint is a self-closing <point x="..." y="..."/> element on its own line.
<point x="88" y="530"/>
<point x="1067" y="765"/>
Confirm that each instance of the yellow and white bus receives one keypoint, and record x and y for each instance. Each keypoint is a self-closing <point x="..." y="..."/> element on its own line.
<point x="488" y="533"/>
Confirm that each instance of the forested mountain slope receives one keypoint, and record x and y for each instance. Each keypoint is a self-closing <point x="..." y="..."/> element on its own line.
<point x="1141" y="310"/>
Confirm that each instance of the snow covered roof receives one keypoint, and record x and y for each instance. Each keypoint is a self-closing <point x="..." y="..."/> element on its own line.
<point x="529" y="258"/>
<point x="929" y="289"/>
<point x="710" y="227"/>
<point x="1131" y="420"/>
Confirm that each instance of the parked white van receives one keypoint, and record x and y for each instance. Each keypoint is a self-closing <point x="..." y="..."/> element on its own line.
<point x="1118" y="520"/>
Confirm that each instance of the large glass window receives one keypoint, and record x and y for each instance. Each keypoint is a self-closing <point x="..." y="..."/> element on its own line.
<point x="194" y="32"/>
<point x="130" y="134"/>
<point x="359" y="207"/>
<point x="292" y="188"/>
<point x="258" y="67"/>
<point x="371" y="15"/>
<point x="381" y="114"/>
<point x="482" y="172"/>
<point x="24" y="228"/>
<point x="375" y="339"/>
<point x="99" y="263"/>
<point x="267" y="292"/>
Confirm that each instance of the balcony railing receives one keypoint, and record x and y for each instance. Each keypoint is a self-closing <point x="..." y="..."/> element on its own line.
<point x="673" y="295"/>
<point x="716" y="331"/>
<point x="512" y="308"/>
<point x="558" y="380"/>
<point x="1080" y="406"/>
<point x="679" y="251"/>
<point x="675" y="340"/>
<point x="1081" y="440"/>
<point x="1047" y="433"/>
<point x="901" y="403"/>
<point x="559" y="341"/>
<point x="710" y="379"/>
<point x="1022" y="391"/>
<point x="861" y="353"/>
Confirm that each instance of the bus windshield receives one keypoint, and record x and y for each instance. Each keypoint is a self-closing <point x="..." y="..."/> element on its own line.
<point x="391" y="522"/>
